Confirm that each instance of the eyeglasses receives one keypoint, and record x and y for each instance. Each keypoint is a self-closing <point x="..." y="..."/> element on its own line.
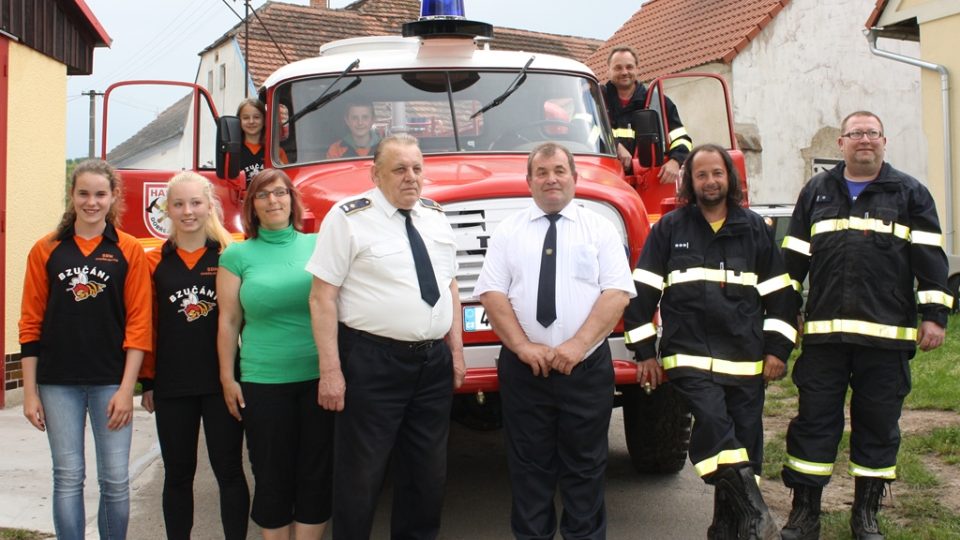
<point x="279" y="192"/>
<point x="873" y="135"/>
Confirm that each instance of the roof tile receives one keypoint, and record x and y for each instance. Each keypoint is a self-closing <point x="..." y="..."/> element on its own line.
<point x="676" y="35"/>
<point x="301" y="30"/>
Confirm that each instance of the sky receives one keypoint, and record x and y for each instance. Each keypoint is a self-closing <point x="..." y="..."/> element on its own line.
<point x="162" y="40"/>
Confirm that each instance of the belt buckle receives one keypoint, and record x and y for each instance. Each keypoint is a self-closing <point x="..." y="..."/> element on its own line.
<point x="421" y="346"/>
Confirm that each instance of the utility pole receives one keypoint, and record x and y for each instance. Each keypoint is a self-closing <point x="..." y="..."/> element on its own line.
<point x="246" y="48"/>
<point x="92" y="149"/>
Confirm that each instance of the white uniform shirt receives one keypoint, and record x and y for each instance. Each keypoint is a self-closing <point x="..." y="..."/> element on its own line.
<point x="590" y="259"/>
<point x="365" y="251"/>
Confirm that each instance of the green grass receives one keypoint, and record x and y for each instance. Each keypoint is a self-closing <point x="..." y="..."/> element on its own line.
<point x="936" y="374"/>
<point x="941" y="442"/>
<point x="917" y="513"/>
<point x="21" y="534"/>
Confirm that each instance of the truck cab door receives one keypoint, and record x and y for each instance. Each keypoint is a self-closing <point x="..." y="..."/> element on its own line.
<point x="703" y="101"/>
<point x="148" y="152"/>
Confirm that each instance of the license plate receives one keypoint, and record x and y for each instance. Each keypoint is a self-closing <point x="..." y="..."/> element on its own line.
<point x="475" y="319"/>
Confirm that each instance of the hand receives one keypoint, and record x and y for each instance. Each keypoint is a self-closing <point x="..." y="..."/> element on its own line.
<point x="538" y="357"/>
<point x="233" y="396"/>
<point x="459" y="369"/>
<point x="649" y="373"/>
<point x="624" y="156"/>
<point x="120" y="410"/>
<point x="146" y="401"/>
<point x="33" y="410"/>
<point x="331" y="390"/>
<point x="930" y="336"/>
<point x="669" y="172"/>
<point x="773" y="368"/>
<point x="567" y="355"/>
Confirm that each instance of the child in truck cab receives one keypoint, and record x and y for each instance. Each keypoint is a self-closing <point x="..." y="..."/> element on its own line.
<point x="252" y="113"/>
<point x="361" y="139"/>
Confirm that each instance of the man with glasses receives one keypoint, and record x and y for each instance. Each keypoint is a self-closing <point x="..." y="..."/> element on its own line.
<point x="865" y="232"/>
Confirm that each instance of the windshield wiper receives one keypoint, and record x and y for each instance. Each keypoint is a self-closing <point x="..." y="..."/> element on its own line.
<point x="520" y="79"/>
<point x="327" y="96"/>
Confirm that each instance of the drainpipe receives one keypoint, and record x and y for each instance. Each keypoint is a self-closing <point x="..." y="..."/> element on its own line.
<point x="871" y="35"/>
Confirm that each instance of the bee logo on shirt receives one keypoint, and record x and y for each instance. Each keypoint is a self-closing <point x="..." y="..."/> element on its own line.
<point x="82" y="288"/>
<point x="194" y="308"/>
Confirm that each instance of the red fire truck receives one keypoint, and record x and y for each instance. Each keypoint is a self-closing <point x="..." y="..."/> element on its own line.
<point x="476" y="113"/>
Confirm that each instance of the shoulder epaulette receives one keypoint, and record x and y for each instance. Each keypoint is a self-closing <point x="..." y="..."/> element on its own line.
<point x="356" y="205"/>
<point x="431" y="204"/>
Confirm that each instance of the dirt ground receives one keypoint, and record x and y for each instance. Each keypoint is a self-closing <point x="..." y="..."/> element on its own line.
<point x="838" y="495"/>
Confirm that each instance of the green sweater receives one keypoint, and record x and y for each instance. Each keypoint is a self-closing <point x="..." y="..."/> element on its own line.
<point x="277" y="341"/>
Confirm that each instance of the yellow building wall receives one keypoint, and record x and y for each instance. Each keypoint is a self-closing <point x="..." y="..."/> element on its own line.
<point x="36" y="157"/>
<point x="938" y="43"/>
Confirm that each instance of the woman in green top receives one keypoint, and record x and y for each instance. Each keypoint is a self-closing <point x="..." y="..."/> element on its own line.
<point x="262" y="287"/>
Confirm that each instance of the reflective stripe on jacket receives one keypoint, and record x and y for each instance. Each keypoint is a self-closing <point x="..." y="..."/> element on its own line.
<point x="863" y="257"/>
<point x="680" y="141"/>
<point x="725" y="298"/>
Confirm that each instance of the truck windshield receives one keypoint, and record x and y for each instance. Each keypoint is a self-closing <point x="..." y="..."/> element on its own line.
<point x="442" y="110"/>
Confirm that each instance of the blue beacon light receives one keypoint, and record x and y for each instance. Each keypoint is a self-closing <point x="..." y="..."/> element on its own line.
<point x="441" y="9"/>
<point x="445" y="19"/>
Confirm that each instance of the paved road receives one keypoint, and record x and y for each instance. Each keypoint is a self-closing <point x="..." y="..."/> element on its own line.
<point x="477" y="502"/>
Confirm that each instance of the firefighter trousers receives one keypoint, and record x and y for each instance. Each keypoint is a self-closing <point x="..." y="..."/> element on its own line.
<point x="728" y="423"/>
<point x="880" y="380"/>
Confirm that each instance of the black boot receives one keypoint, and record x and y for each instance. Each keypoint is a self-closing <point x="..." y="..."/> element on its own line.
<point x="866" y="503"/>
<point x="804" y="521"/>
<point x="753" y="519"/>
<point x="723" y="526"/>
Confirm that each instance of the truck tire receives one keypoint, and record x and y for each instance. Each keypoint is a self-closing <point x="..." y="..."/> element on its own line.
<point x="657" y="429"/>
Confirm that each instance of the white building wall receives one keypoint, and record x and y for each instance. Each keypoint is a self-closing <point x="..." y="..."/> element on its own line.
<point x="802" y="74"/>
<point x="164" y="156"/>
<point x="223" y="73"/>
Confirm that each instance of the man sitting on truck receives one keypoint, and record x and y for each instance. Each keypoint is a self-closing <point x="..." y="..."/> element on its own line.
<point x="624" y="94"/>
<point x="361" y="139"/>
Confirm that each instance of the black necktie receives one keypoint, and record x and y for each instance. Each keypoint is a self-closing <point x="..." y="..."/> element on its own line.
<point x="547" y="290"/>
<point x="421" y="259"/>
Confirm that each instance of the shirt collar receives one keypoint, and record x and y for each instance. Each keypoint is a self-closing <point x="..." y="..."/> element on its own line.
<point x="380" y="201"/>
<point x="570" y="211"/>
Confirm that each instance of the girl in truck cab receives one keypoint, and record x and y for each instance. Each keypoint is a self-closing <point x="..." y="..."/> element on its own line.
<point x="181" y="381"/>
<point x="84" y="328"/>
<point x="252" y="113"/>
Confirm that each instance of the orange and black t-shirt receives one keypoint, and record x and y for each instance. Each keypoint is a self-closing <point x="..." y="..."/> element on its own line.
<point x="185" y="322"/>
<point x="251" y="159"/>
<point x="344" y="148"/>
<point x="85" y="301"/>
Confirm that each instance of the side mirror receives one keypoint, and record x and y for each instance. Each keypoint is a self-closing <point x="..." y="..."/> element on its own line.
<point x="648" y="133"/>
<point x="229" y="142"/>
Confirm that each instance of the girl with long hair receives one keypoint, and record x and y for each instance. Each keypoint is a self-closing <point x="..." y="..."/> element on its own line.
<point x="181" y="381"/>
<point x="84" y="328"/>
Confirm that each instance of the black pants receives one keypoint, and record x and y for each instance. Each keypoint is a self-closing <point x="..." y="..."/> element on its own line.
<point x="880" y="380"/>
<point x="727" y="418"/>
<point x="178" y="428"/>
<point x="397" y="405"/>
<point x="290" y="440"/>
<point x="556" y="432"/>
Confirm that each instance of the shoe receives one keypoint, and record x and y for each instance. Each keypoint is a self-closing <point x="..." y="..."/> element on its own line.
<point x="753" y="519"/>
<point x="866" y="503"/>
<point x="804" y="520"/>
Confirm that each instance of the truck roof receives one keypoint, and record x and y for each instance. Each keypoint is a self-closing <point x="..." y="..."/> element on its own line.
<point x="395" y="53"/>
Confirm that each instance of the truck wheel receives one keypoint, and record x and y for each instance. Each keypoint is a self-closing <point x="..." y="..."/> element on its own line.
<point x="657" y="429"/>
<point x="953" y="283"/>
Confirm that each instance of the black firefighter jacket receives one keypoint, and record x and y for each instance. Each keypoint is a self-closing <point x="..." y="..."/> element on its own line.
<point x="680" y="141"/>
<point x="863" y="257"/>
<point x="725" y="299"/>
